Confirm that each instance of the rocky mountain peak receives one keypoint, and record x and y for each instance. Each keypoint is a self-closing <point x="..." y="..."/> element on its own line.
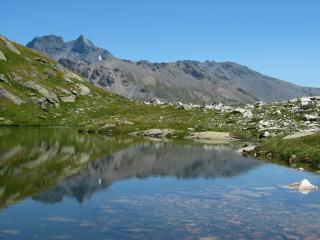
<point x="79" y="50"/>
<point x="81" y="44"/>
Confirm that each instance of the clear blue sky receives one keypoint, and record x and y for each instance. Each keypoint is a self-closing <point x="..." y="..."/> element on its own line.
<point x="280" y="38"/>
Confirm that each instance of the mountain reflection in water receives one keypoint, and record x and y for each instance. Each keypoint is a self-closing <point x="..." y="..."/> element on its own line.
<point x="150" y="159"/>
<point x="52" y="163"/>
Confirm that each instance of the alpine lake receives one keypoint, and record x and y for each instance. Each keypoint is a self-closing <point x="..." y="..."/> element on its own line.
<point x="56" y="183"/>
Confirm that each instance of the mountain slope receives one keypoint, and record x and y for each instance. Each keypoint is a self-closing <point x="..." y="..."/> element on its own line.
<point x="187" y="81"/>
<point x="37" y="90"/>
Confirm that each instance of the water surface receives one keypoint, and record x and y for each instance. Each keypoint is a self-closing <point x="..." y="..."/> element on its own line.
<point x="59" y="184"/>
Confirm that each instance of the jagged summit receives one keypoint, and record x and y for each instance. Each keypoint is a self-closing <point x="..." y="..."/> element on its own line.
<point x="81" y="49"/>
<point x="184" y="80"/>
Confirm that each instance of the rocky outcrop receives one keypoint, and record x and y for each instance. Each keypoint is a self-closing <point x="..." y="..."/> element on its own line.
<point x="8" y="95"/>
<point x="9" y="45"/>
<point x="49" y="95"/>
<point x="2" y="56"/>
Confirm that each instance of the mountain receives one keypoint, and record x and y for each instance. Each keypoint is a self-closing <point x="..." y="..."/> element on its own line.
<point x="186" y="81"/>
<point x="80" y="49"/>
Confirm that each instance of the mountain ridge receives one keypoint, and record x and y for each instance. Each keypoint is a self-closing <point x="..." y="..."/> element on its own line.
<point x="183" y="80"/>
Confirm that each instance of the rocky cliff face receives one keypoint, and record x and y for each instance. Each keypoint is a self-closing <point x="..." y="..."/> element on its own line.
<point x="186" y="81"/>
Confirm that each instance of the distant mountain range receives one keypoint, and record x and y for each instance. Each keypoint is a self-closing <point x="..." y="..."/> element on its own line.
<point x="186" y="81"/>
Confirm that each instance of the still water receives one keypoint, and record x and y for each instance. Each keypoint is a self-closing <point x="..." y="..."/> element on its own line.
<point x="59" y="184"/>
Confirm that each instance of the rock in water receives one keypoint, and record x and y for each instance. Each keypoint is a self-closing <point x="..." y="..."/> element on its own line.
<point x="246" y="149"/>
<point x="304" y="186"/>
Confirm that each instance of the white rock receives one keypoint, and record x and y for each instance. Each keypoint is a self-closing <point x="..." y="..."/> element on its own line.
<point x="246" y="149"/>
<point x="156" y="101"/>
<point x="83" y="90"/>
<point x="310" y="117"/>
<point x="266" y="134"/>
<point x="239" y="110"/>
<point x="304" y="101"/>
<point x="248" y="114"/>
<point x="304" y="186"/>
<point x="69" y="99"/>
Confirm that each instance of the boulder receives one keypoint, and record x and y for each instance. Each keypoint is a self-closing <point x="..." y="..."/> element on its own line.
<point x="71" y="75"/>
<point x="8" y="95"/>
<point x="3" y="78"/>
<point x="239" y="110"/>
<point x="264" y="134"/>
<point x="50" y="96"/>
<point x="68" y="99"/>
<point x="2" y="56"/>
<point x="179" y="105"/>
<point x="296" y="110"/>
<point x="83" y="90"/>
<point x="211" y="137"/>
<point x="310" y="117"/>
<point x="247" y="149"/>
<point x="155" y="101"/>
<point x="304" y="186"/>
<point x="247" y="114"/>
<point x="305" y="101"/>
<point x="107" y="125"/>
<point x="154" y="133"/>
<point x="9" y="45"/>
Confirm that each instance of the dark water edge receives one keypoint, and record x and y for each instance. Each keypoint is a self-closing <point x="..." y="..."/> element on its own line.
<point x="58" y="184"/>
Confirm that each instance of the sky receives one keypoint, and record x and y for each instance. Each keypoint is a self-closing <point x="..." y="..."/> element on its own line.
<point x="279" y="38"/>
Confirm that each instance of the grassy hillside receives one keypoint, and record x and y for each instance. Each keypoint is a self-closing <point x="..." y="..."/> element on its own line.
<point x="21" y="104"/>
